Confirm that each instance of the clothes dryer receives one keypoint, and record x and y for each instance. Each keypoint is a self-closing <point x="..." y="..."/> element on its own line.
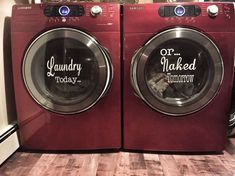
<point x="178" y="75"/>
<point x="66" y="68"/>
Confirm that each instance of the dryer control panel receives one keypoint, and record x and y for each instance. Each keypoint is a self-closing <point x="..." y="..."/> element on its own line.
<point x="179" y="10"/>
<point x="196" y="9"/>
<point x="149" y="18"/>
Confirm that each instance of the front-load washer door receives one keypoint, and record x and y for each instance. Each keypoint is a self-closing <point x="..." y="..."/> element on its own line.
<point x="177" y="72"/>
<point x="66" y="70"/>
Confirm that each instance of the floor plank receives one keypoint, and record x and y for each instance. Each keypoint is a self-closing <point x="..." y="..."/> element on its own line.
<point x="169" y="165"/>
<point x="121" y="164"/>
<point x="107" y="164"/>
<point x="185" y="166"/>
<point x="137" y="165"/>
<point x="90" y="165"/>
<point x="153" y="165"/>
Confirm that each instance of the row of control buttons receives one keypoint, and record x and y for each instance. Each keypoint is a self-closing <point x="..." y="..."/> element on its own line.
<point x="63" y="19"/>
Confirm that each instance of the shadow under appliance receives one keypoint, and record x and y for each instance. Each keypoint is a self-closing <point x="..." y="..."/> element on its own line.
<point x="178" y="72"/>
<point x="66" y="68"/>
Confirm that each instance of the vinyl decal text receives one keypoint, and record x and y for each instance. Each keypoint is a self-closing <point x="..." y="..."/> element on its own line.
<point x="53" y="68"/>
<point x="167" y="67"/>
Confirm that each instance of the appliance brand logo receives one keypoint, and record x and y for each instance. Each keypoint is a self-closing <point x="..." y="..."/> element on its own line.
<point x="167" y="67"/>
<point x="24" y="8"/>
<point x="54" y="68"/>
<point x="136" y="8"/>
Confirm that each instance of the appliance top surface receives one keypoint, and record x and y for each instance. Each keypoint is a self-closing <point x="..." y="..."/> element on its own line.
<point x="95" y="16"/>
<point x="209" y="17"/>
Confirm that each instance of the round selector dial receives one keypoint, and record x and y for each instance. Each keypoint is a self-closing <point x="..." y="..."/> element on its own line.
<point x="96" y="10"/>
<point x="213" y="10"/>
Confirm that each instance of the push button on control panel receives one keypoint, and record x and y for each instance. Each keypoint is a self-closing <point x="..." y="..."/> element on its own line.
<point x="179" y="10"/>
<point x="64" y="10"/>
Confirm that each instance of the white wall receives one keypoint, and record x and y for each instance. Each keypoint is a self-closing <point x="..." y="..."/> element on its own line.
<point x="5" y="10"/>
<point x="7" y="103"/>
<point x="7" y="106"/>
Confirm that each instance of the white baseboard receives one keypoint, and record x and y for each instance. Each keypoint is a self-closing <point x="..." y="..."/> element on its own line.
<point x="9" y="142"/>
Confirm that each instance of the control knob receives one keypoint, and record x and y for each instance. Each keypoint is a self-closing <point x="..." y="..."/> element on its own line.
<point x="212" y="10"/>
<point x="96" y="10"/>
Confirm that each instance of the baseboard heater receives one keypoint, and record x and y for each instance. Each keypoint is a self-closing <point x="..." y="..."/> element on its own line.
<point x="9" y="142"/>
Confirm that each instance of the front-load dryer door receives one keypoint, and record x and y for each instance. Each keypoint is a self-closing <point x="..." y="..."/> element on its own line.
<point x="177" y="72"/>
<point x="66" y="70"/>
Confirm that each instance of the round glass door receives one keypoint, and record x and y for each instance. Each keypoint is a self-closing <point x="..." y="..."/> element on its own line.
<point x="66" y="70"/>
<point x="177" y="72"/>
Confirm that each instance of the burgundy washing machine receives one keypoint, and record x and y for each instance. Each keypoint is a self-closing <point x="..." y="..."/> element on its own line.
<point x="66" y="68"/>
<point x="178" y="72"/>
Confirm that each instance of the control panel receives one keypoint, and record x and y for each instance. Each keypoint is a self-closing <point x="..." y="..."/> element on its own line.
<point x="211" y="10"/>
<point x="96" y="17"/>
<point x="179" y="11"/>
<point x="64" y="11"/>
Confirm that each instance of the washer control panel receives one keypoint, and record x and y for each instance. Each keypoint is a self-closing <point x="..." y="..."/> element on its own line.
<point x="179" y="11"/>
<point x="64" y="11"/>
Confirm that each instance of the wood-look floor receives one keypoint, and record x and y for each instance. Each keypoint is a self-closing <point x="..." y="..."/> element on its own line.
<point x="121" y="164"/>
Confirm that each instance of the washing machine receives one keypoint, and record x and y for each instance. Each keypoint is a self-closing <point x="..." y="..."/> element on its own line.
<point x="66" y="69"/>
<point x="178" y="74"/>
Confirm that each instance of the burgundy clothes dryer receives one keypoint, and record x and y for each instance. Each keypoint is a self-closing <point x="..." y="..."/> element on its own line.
<point x="66" y="68"/>
<point x="178" y="72"/>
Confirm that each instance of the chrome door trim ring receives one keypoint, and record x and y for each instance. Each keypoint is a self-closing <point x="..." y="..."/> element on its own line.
<point x="105" y="68"/>
<point x="140" y="58"/>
